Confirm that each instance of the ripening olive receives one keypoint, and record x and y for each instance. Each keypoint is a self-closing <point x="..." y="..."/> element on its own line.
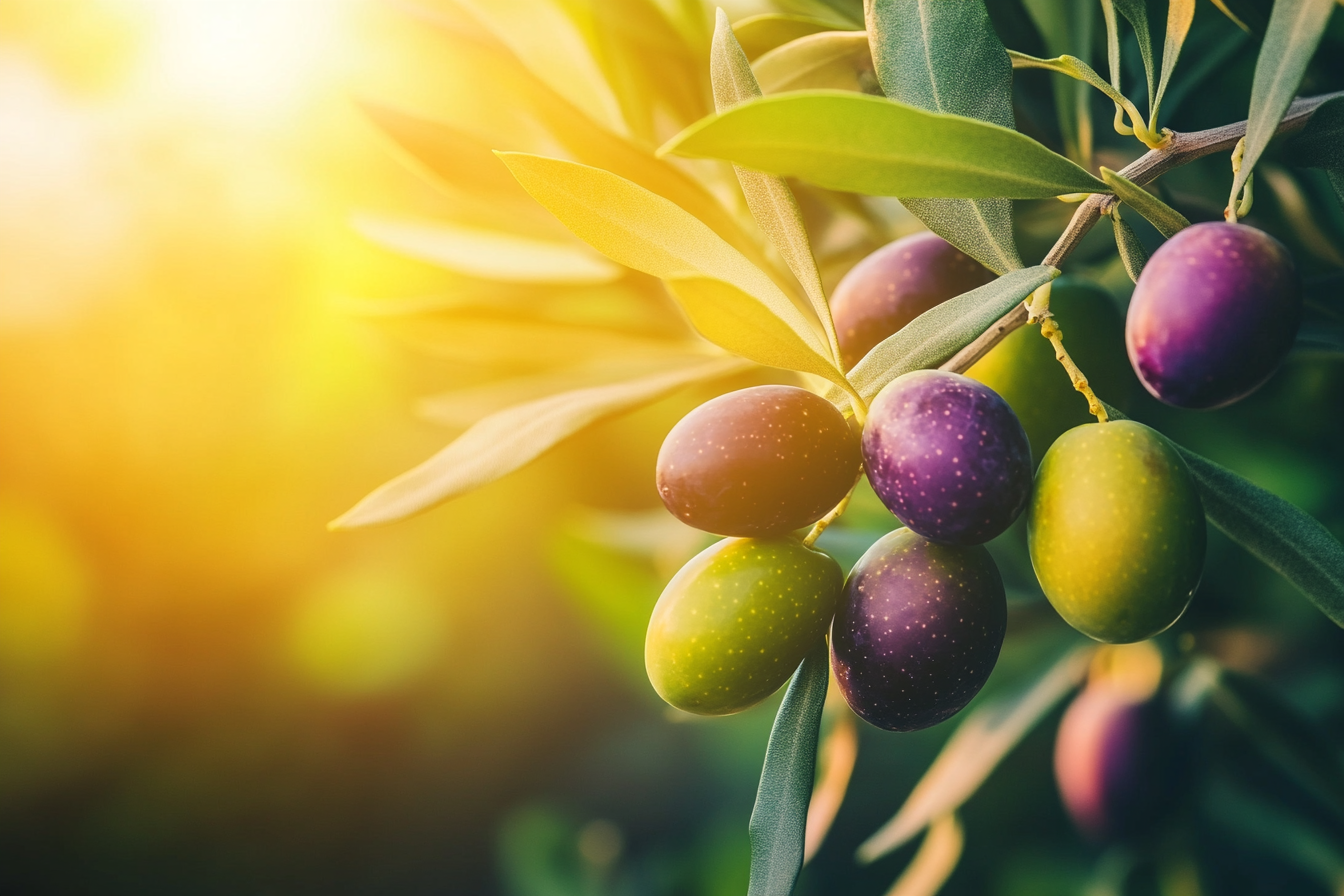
<point x="896" y="284"/>
<point x="758" y="462"/>
<point x="947" y="456"/>
<point x="736" y="621"/>
<point x="1116" y="531"/>
<point x="1022" y="368"/>
<point x="918" y="630"/>
<point x="1213" y="315"/>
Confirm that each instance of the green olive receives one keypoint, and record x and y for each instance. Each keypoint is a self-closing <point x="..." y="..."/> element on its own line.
<point x="1022" y="368"/>
<point x="1116" y="531"/>
<point x="736" y="621"/>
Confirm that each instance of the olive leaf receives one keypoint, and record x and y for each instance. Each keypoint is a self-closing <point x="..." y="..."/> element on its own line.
<point x="836" y="60"/>
<point x="1067" y="27"/>
<point x="1078" y="70"/>
<point x="505" y="441"/>
<point x="779" y="819"/>
<point x="1132" y="254"/>
<point x="762" y="33"/>
<point x="772" y="203"/>
<point x="1136" y="13"/>
<point x="1283" y="537"/>
<point x="1321" y="144"/>
<point x="942" y="331"/>
<point x="835" y="764"/>
<point x="935" y="861"/>
<point x="642" y="230"/>
<point x="1275" y="829"/>
<point x="865" y="144"/>
<point x="946" y="57"/>
<point x="1180" y="14"/>
<point x="1166" y="219"/>
<point x="986" y="735"/>
<point x="487" y="254"/>
<point x="1295" y="30"/>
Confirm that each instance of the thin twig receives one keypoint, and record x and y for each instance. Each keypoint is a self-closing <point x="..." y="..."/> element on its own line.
<point x="1182" y="149"/>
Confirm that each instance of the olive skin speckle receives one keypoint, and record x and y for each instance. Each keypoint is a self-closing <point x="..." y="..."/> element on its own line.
<point x="1116" y="531"/>
<point x="918" y="631"/>
<point x="1214" y="313"/>
<point x="947" y="456"/>
<point x="733" y="625"/>
<point x="896" y="284"/>
<point x="758" y="462"/>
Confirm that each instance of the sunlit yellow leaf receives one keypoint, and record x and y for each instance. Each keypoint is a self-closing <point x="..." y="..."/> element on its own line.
<point x="520" y="344"/>
<point x="836" y="60"/>
<point x="491" y="255"/>
<point x="934" y="863"/>
<point x="760" y="34"/>
<point x="503" y="442"/>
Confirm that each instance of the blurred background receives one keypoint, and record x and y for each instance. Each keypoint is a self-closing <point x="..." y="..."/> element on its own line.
<point x="202" y="690"/>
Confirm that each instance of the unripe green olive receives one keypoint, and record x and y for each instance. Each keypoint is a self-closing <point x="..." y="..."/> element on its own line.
<point x="1022" y="368"/>
<point x="1116" y="531"/>
<point x="736" y="621"/>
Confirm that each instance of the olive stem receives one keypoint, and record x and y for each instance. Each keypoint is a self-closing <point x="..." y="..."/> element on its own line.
<point x="1181" y="149"/>
<point x="820" y="525"/>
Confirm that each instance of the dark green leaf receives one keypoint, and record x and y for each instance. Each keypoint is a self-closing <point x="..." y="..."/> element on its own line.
<point x="1136" y="13"/>
<point x="1132" y="253"/>
<point x="865" y="144"/>
<point x="779" y="819"/>
<point x="1295" y="29"/>
<point x="946" y="57"/>
<point x="1279" y="831"/>
<point x="1285" y="538"/>
<point x="1321" y="143"/>
<point x="1320" y="340"/>
<point x="1166" y="219"/>
<point x="1067" y="27"/>
<point x="942" y="331"/>
<point x="986" y="735"/>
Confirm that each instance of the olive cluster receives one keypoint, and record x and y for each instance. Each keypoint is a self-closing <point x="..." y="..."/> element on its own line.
<point x="1116" y="529"/>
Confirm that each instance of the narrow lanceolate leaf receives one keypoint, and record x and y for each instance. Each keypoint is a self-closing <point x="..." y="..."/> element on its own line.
<point x="988" y="734"/>
<point x="1180" y="13"/>
<point x="642" y="230"/>
<point x="1067" y="27"/>
<point x="1132" y="254"/>
<point x="946" y="57"/>
<point x="772" y="203"/>
<point x="503" y="442"/>
<point x="1136" y="13"/>
<point x="488" y="254"/>
<point x="779" y="819"/>
<point x="1295" y="29"/>
<point x="866" y="144"/>
<point x="1166" y="219"/>
<point x="1282" y="536"/>
<point x="832" y="60"/>
<point x="936" y="860"/>
<point x="760" y="34"/>
<point x="942" y="331"/>
<point x="1321" y="144"/>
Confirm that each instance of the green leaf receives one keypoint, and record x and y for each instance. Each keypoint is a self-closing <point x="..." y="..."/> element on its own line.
<point x="503" y="442"/>
<point x="935" y="861"/>
<point x="1283" y="537"/>
<point x="939" y="333"/>
<point x="946" y="57"/>
<point x="1136" y="13"/>
<point x="1067" y="27"/>
<point x="488" y="254"/>
<point x="772" y="203"/>
<point x="1295" y="29"/>
<point x="832" y="60"/>
<point x="731" y="319"/>
<point x="1320" y="341"/>
<point x="779" y="819"/>
<point x="760" y="34"/>
<point x="1321" y="143"/>
<point x="1180" y="13"/>
<point x="1132" y="254"/>
<point x="642" y="230"/>
<point x="864" y="144"/>
<point x="1256" y="823"/>
<point x="1166" y="219"/>
<point x="986" y="735"/>
<point x="1079" y="70"/>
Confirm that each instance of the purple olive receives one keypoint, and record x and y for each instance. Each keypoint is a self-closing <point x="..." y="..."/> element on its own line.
<point x="758" y="462"/>
<point x="918" y="631"/>
<point x="895" y="285"/>
<point x="1116" y="762"/>
<point x="947" y="456"/>
<point x="1213" y="315"/>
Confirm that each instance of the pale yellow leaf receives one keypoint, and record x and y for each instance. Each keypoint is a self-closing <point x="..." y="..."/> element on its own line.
<point x="488" y="254"/>
<point x="934" y="863"/>
<point x="503" y="442"/>
<point x="838" y="60"/>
